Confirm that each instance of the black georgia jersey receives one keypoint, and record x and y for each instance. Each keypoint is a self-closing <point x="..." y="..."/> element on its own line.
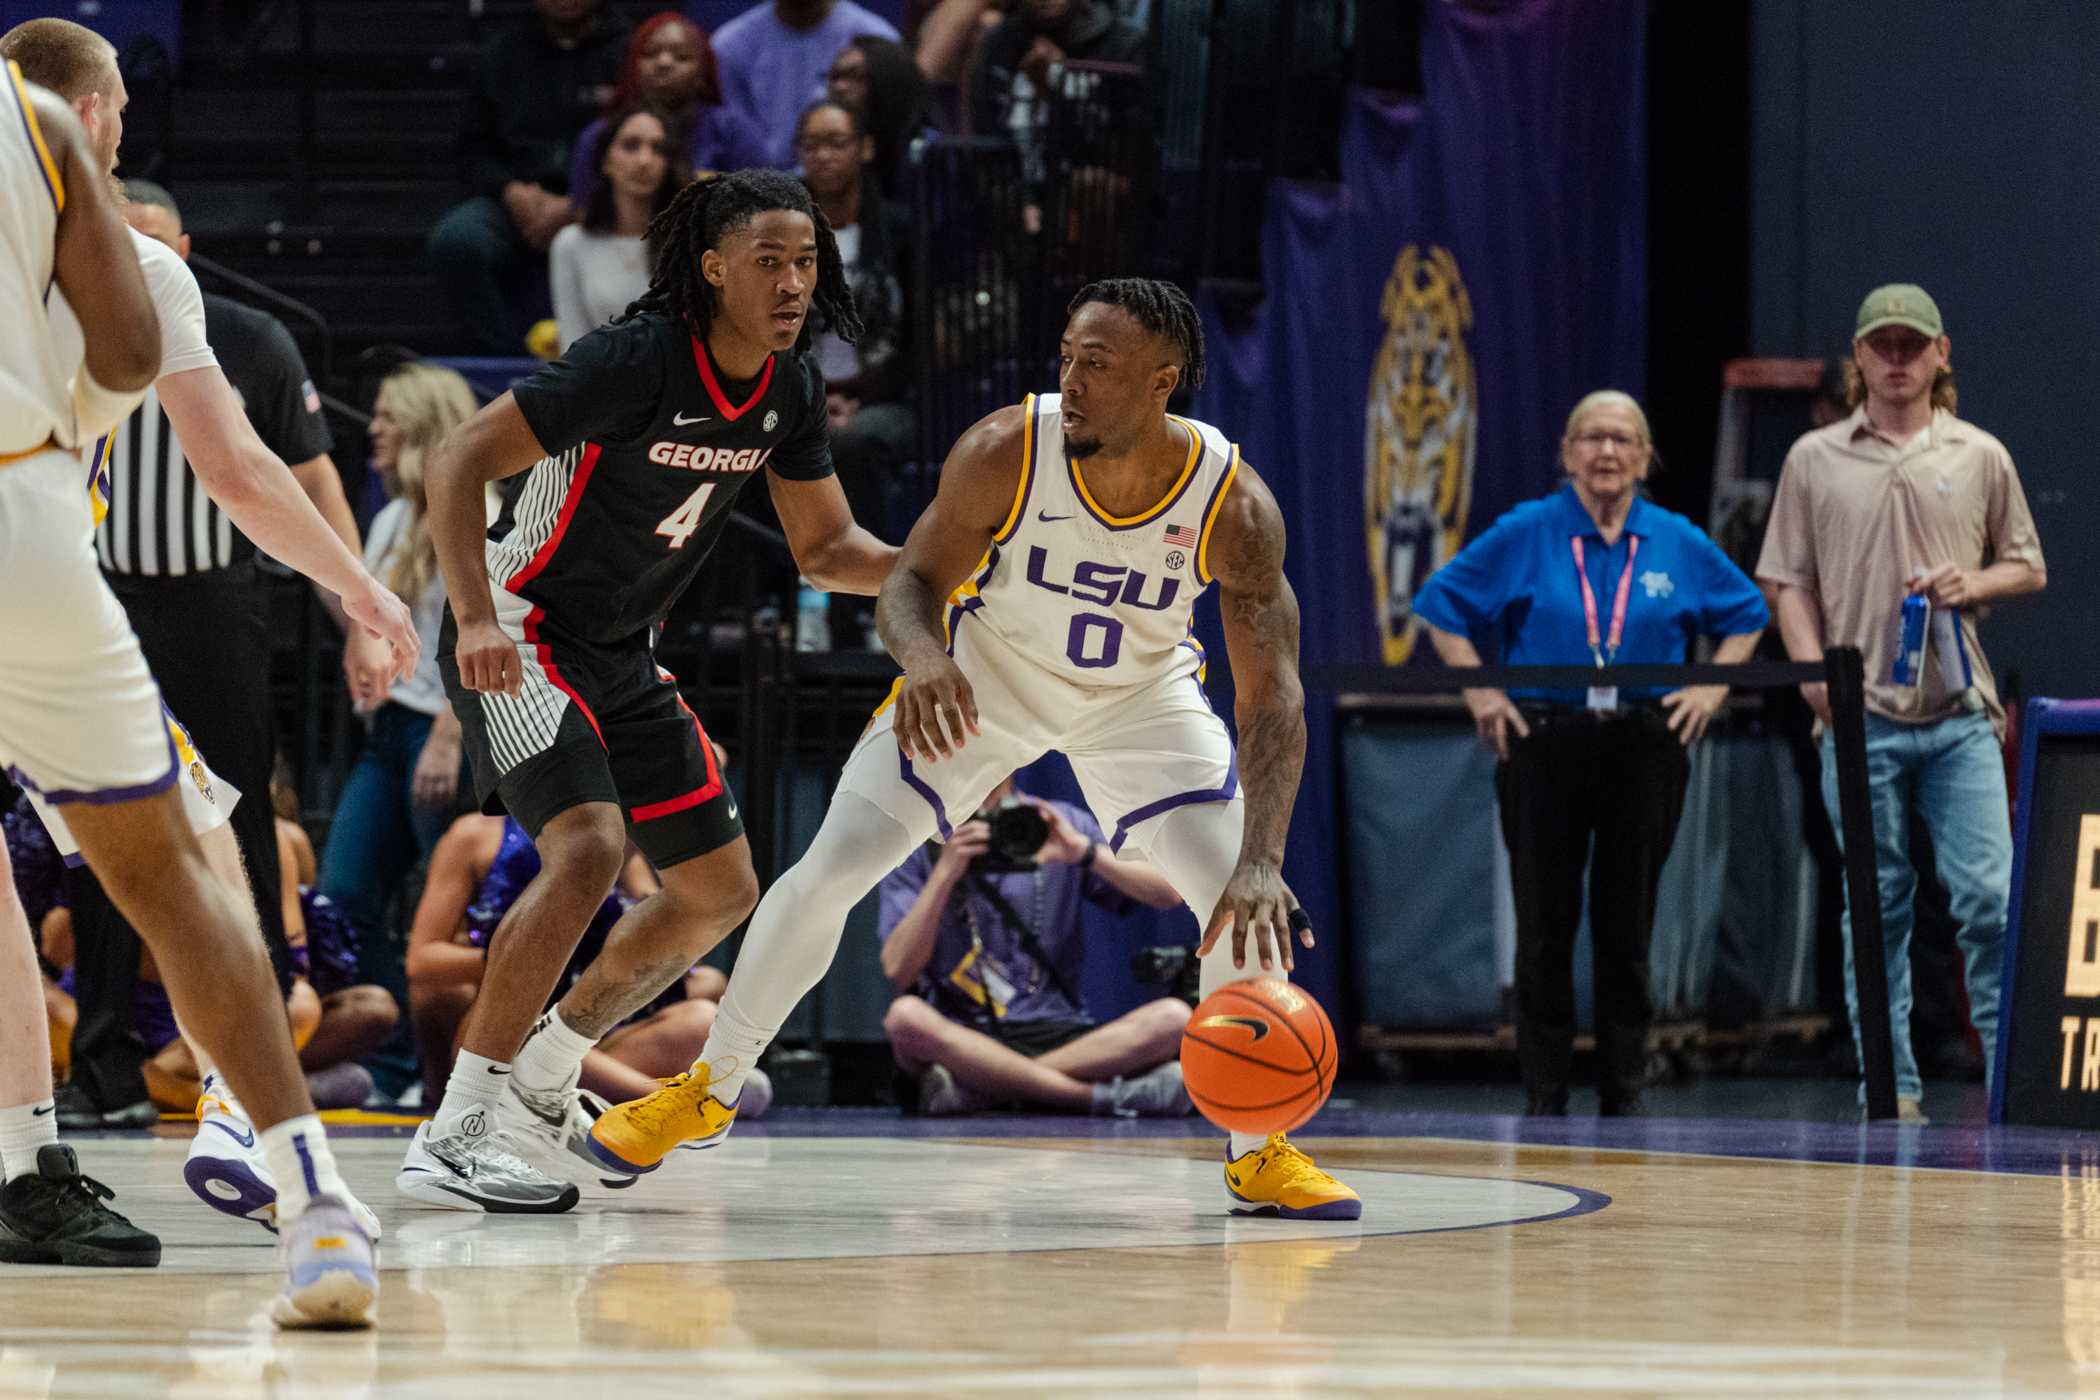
<point x="648" y="446"/>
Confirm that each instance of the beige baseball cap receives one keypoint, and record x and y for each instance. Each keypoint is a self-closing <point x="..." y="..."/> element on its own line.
<point x="1899" y="304"/>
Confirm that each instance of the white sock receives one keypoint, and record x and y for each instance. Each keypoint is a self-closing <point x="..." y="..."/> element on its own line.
<point x="23" y="1129"/>
<point x="551" y="1055"/>
<point x="476" y="1082"/>
<point x="795" y="933"/>
<point x="1196" y="848"/>
<point x="301" y="1164"/>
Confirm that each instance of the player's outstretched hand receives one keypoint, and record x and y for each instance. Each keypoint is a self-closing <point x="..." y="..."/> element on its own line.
<point x="487" y="659"/>
<point x="1257" y="901"/>
<point x="936" y="710"/>
<point x="378" y="611"/>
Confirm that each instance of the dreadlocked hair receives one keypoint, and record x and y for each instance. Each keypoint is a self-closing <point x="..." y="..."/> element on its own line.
<point x="708" y="210"/>
<point x="1161" y="308"/>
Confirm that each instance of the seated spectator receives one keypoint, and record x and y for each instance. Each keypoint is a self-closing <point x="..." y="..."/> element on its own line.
<point x="872" y="426"/>
<point x="671" y="69"/>
<point x="878" y="79"/>
<point x="774" y="57"/>
<point x="401" y="792"/>
<point x="353" y="1018"/>
<point x="476" y="874"/>
<point x="536" y="83"/>
<point x="986" y="954"/>
<point x="945" y="36"/>
<point x="601" y="265"/>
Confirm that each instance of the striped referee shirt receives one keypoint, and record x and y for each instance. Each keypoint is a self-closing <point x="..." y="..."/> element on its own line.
<point x="160" y="521"/>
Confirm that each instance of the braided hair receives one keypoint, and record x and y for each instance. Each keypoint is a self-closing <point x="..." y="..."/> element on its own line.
<point x="1161" y="308"/>
<point x="707" y="211"/>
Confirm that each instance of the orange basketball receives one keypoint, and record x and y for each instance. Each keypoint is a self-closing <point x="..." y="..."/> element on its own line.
<point x="1258" y="1057"/>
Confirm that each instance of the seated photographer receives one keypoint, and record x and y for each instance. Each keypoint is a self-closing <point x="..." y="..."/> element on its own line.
<point x="982" y="938"/>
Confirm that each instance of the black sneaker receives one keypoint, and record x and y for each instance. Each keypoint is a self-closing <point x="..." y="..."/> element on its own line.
<point x="79" y="1113"/>
<point x="58" y="1217"/>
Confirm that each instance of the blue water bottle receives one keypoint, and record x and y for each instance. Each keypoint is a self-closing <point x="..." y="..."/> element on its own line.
<point x="1914" y="626"/>
<point x="812" y="618"/>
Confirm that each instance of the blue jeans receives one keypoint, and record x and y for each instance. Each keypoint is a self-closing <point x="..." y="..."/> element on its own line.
<point x="377" y="837"/>
<point x="1953" y="772"/>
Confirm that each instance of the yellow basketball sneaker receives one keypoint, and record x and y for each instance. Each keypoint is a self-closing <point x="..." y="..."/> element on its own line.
<point x="1279" y="1179"/>
<point x="633" y="1137"/>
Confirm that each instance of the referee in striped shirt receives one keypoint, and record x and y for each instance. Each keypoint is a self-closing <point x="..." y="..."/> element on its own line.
<point x="187" y="579"/>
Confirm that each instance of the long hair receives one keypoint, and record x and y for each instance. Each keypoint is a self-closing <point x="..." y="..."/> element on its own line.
<point x="628" y="88"/>
<point x="1943" y="393"/>
<point x="708" y="210"/>
<point x="1161" y="308"/>
<point x="896" y="100"/>
<point x="598" y="209"/>
<point x="426" y="402"/>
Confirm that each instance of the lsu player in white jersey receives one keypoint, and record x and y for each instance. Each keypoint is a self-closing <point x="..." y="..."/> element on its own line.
<point x="204" y="936"/>
<point x="1043" y="602"/>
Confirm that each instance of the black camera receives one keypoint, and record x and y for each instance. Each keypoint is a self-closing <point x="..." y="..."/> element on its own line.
<point x="1018" y="831"/>
<point x="1174" y="968"/>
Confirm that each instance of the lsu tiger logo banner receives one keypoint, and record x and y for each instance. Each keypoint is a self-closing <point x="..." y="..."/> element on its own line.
<point x="1419" y="432"/>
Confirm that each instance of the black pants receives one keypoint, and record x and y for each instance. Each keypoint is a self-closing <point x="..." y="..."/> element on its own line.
<point x="206" y="638"/>
<point x="1618" y="780"/>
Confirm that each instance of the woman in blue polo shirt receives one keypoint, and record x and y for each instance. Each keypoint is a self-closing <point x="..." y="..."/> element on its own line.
<point x="1593" y="574"/>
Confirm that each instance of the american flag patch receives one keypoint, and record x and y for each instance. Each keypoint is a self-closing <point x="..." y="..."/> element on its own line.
<point x="1181" y="535"/>
<point x="311" y="395"/>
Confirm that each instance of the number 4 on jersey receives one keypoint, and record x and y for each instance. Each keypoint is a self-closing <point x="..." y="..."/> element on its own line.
<point x="679" y="525"/>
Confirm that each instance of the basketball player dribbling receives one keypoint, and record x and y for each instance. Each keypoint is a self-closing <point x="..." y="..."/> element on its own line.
<point x="80" y="717"/>
<point x="1070" y="538"/>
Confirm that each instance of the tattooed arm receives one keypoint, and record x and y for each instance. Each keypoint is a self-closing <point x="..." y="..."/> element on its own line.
<point x="1261" y="638"/>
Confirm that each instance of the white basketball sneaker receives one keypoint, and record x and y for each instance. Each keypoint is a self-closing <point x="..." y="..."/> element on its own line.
<point x="226" y="1170"/>
<point x="331" y="1269"/>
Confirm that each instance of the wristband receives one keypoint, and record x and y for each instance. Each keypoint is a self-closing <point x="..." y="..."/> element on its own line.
<point x="96" y="410"/>
<point x="1086" y="859"/>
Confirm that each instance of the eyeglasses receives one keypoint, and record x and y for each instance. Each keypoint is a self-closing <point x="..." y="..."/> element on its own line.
<point x="1595" y="438"/>
<point x="811" y="145"/>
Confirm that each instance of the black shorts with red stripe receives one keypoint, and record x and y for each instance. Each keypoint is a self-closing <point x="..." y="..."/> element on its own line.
<point x="595" y="723"/>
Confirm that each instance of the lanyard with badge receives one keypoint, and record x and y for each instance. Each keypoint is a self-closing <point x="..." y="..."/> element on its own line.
<point x="1605" y="697"/>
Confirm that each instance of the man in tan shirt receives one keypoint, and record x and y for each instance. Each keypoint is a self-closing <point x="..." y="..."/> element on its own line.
<point x="1905" y="498"/>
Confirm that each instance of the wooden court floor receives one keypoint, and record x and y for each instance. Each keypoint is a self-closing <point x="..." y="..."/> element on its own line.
<point x="1105" y="1266"/>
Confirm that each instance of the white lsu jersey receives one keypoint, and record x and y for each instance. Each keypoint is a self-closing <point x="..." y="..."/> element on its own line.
<point x="36" y="378"/>
<point x="1097" y="599"/>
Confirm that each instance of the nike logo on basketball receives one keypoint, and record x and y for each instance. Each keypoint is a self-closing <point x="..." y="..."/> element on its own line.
<point x="684" y="422"/>
<point x="246" y="1139"/>
<point x="1255" y="1024"/>
<point x="1049" y="519"/>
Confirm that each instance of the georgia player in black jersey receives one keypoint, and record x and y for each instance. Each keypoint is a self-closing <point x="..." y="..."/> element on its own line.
<point x="636" y="441"/>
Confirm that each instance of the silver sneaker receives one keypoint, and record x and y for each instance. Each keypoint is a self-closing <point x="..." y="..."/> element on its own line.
<point x="552" y="1131"/>
<point x="463" y="1170"/>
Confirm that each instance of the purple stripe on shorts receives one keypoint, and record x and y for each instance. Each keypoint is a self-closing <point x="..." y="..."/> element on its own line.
<point x="1222" y="793"/>
<point x="933" y="799"/>
<point x="101" y="797"/>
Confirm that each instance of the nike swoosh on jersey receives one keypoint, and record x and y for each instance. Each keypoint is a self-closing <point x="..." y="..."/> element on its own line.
<point x="1048" y="519"/>
<point x="684" y="422"/>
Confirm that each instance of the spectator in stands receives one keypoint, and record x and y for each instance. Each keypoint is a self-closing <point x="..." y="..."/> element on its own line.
<point x="353" y="1018"/>
<point x="401" y="792"/>
<point x="945" y="41"/>
<point x="476" y="874"/>
<point x="601" y="264"/>
<point x="1904" y="499"/>
<point x="872" y="425"/>
<point x="986" y="952"/>
<point x="774" y="57"/>
<point x="877" y="78"/>
<point x="670" y="68"/>
<point x="536" y="83"/>
<point x="1019" y="64"/>
<point x="1556" y="582"/>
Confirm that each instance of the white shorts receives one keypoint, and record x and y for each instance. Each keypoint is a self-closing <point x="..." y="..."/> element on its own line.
<point x="1138" y="751"/>
<point x="80" y="717"/>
